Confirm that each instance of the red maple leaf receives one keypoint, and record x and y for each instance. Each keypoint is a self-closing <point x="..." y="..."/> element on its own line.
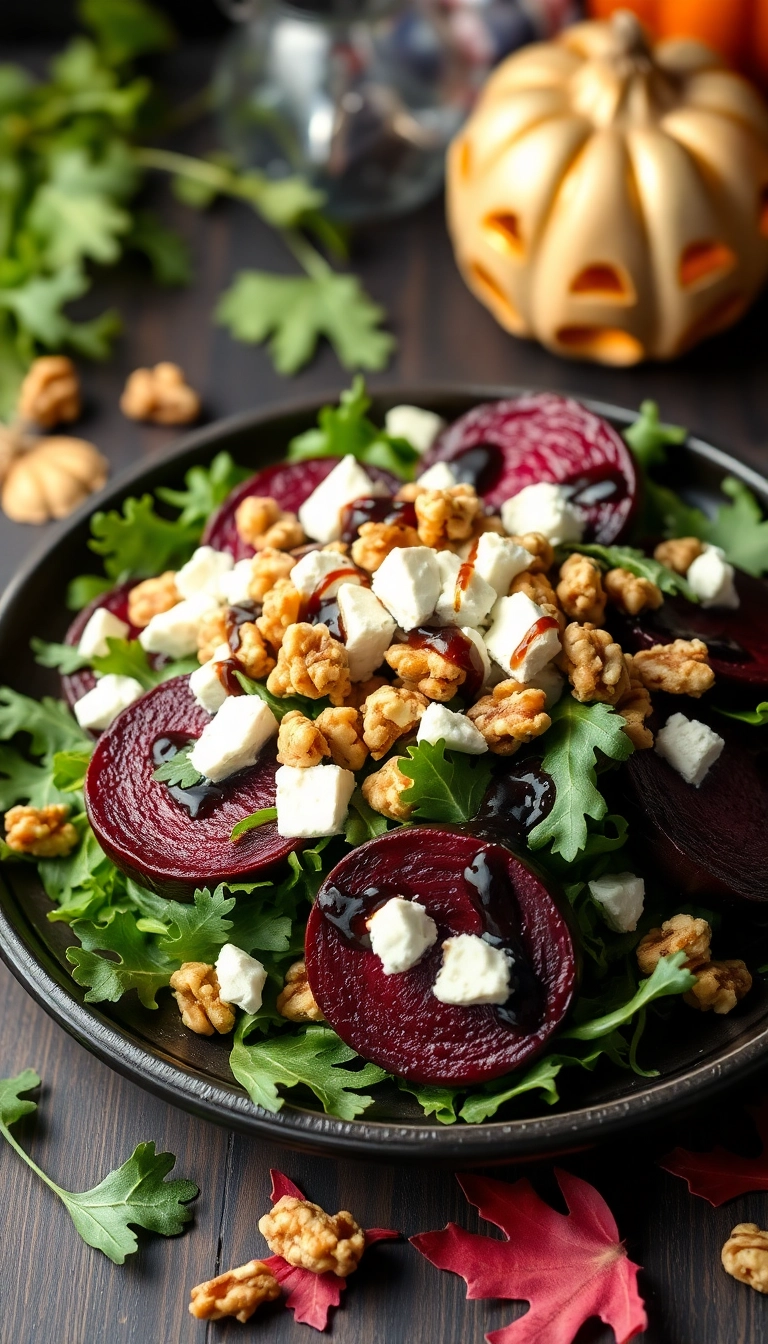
<point x="568" y="1267"/>
<point x="311" y="1296"/>
<point x="719" y="1175"/>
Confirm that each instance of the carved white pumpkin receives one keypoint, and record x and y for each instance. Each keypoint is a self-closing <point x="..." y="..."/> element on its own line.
<point x="610" y="200"/>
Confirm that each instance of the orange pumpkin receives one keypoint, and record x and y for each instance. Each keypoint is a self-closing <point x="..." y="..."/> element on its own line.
<point x="737" y="29"/>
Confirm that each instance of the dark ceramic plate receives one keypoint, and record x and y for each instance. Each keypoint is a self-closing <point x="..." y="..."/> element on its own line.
<point x="701" y="1057"/>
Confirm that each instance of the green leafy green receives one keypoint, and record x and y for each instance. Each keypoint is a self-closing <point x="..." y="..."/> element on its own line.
<point x="134" y="1195"/>
<point x="447" y="785"/>
<point x="50" y="725"/>
<point x="139" y="543"/>
<point x="345" y="429"/>
<point x="757" y="717"/>
<point x="433" y="1100"/>
<point x="481" y="1105"/>
<point x="23" y="781"/>
<point x="140" y="964"/>
<point x="165" y="250"/>
<point x="64" y="657"/>
<point x="126" y="28"/>
<point x="740" y="529"/>
<point x="637" y="562"/>
<point x="313" y="1058"/>
<point x="197" y="932"/>
<point x="205" y="489"/>
<point x="255" y="819"/>
<point x="179" y="771"/>
<point x="283" y="704"/>
<point x="362" y="822"/>
<point x="128" y="658"/>
<point x="649" y="438"/>
<point x="670" y="976"/>
<point x="82" y="590"/>
<point x="83" y="884"/>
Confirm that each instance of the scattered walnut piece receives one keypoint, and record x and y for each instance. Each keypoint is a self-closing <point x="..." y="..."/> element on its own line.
<point x="594" y="664"/>
<point x="311" y="662"/>
<point x="745" y="1256"/>
<point x="376" y="540"/>
<point x="448" y="515"/>
<point x="538" y="588"/>
<point x="382" y="791"/>
<point x="510" y="716"/>
<point x="266" y="568"/>
<point x="390" y="713"/>
<point x="212" y="631"/>
<point x="720" y="985"/>
<point x="360" y="691"/>
<point x="426" y="670"/>
<point x="630" y="592"/>
<point x="306" y="1236"/>
<point x="50" y="392"/>
<point x="300" y="742"/>
<point x="342" y="729"/>
<point x="408" y="492"/>
<point x="160" y="394"/>
<point x="252" y="653"/>
<point x="580" y="590"/>
<point x="196" y="990"/>
<point x="635" y="707"/>
<point x="281" y="609"/>
<point x="295" y="1000"/>
<point x="679" y="668"/>
<point x="48" y="477"/>
<point x="681" y="933"/>
<point x="283" y="535"/>
<point x="236" y="1293"/>
<point x="488" y="522"/>
<point x="678" y="554"/>
<point x="262" y="524"/>
<point x="152" y="597"/>
<point x="540" y="548"/>
<point x="43" y="832"/>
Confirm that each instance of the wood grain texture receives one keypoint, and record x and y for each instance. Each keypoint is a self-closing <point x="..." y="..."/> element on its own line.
<point x="52" y="1286"/>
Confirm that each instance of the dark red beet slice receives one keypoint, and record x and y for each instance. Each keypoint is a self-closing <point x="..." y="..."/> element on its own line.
<point x="395" y="1020"/>
<point x="711" y="841"/>
<point x="290" y="483"/>
<point x="146" y="832"/>
<point x="737" y="639"/>
<point x="502" y="446"/>
<point x="75" y="684"/>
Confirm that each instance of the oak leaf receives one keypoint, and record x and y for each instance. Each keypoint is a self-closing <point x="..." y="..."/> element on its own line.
<point x="718" y="1176"/>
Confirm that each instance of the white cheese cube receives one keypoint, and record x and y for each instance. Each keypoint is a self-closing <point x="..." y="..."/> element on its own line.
<point x="109" y="697"/>
<point x="203" y="573"/>
<point x="401" y="932"/>
<point x="312" y="802"/>
<point x="512" y="619"/>
<point x="368" y="629"/>
<point x="711" y="578"/>
<point x="462" y="603"/>
<point x="551" y="682"/>
<point x="205" y="683"/>
<point x="174" y="632"/>
<point x="408" y="583"/>
<point x="472" y="972"/>
<point x="241" y="978"/>
<point x="419" y="427"/>
<point x="312" y="571"/>
<point x="320" y="515"/>
<point x="235" y="585"/>
<point x="544" y="508"/>
<point x="499" y="560"/>
<point x="691" y="747"/>
<point x="621" y="897"/>
<point x="437" y="477"/>
<point x="459" y="732"/>
<point x="477" y="639"/>
<point x="101" y="626"/>
<point x="234" y="738"/>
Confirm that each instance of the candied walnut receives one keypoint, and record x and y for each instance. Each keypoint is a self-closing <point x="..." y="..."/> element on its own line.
<point x="390" y="713"/>
<point x="236" y="1293"/>
<point x="382" y="791"/>
<point x="266" y="568"/>
<point x="448" y="515"/>
<point x="719" y="986"/>
<point x="281" y="609"/>
<point x="336" y="547"/>
<point x="580" y="590"/>
<point x="196" y="990"/>
<point x="376" y="540"/>
<point x="540" y="548"/>
<point x="630" y="592"/>
<point x="594" y="664"/>
<point x="488" y="522"/>
<point x="160" y="394"/>
<point x="745" y="1256"/>
<point x="679" y="553"/>
<point x="311" y="662"/>
<point x="152" y="597"/>
<point x="681" y="933"/>
<point x="308" y="1237"/>
<point x="679" y="668"/>
<point x="282" y="535"/>
<point x="538" y="588"/>
<point x="362" y="689"/>
<point x="50" y="392"/>
<point x="212" y="631"/>
<point x="510" y="716"/>
<point x="43" y="832"/>
<point x="300" y="742"/>
<point x="409" y="492"/>
<point x="295" y="1000"/>
<point x="342" y="729"/>
<point x="426" y="670"/>
<point x="254" y="516"/>
<point x="252" y="653"/>
<point x="635" y="707"/>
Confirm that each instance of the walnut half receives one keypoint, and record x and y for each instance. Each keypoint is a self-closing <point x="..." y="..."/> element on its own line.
<point x="308" y="1237"/>
<point x="238" y="1293"/>
<point x="296" y="1000"/>
<point x="43" y="832"/>
<point x="196" y="990"/>
<point x="745" y="1256"/>
<point x="50" y="393"/>
<point x="161" y="394"/>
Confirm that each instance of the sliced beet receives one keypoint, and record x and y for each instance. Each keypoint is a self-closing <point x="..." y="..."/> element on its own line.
<point x="502" y="446"/>
<point x="74" y="685"/>
<point x="149" y="834"/>
<point x="395" y="1020"/>
<point x="289" y="483"/>
<point x="711" y="841"/>
<point x="737" y="638"/>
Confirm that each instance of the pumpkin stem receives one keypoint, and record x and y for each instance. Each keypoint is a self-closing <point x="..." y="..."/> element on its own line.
<point x="629" y="34"/>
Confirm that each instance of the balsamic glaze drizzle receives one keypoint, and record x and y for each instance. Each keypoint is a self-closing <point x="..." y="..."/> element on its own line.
<point x="199" y="799"/>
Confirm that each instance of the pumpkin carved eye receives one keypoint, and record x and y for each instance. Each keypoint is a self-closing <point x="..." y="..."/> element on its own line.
<point x="608" y="344"/>
<point x="494" y="295"/>
<point x="603" y="281"/>
<point x="705" y="262"/>
<point x="503" y="232"/>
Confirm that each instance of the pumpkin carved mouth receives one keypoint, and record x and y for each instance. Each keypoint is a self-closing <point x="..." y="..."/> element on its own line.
<point x="705" y="262"/>
<point x="610" y="345"/>
<point x="603" y="281"/>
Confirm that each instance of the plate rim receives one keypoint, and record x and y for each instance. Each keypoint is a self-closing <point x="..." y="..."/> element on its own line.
<point x="492" y="1142"/>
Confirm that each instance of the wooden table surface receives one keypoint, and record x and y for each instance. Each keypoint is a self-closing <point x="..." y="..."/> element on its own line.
<point x="55" y="1288"/>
